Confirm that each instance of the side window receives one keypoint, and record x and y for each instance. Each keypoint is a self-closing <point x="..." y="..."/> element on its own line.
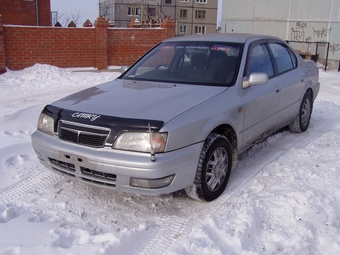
<point x="293" y="57"/>
<point x="284" y="58"/>
<point x="258" y="61"/>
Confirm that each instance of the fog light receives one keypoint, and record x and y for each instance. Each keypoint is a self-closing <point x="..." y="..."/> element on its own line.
<point x="151" y="183"/>
<point x="39" y="155"/>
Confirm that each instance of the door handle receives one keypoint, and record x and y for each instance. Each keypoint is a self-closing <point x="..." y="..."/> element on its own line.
<point x="278" y="90"/>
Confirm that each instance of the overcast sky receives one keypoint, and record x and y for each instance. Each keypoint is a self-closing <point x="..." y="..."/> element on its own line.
<point x="87" y="9"/>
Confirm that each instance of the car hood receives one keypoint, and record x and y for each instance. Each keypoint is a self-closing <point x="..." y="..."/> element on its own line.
<point x="139" y="99"/>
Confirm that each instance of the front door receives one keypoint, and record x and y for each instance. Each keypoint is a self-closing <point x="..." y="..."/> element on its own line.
<point x="261" y="102"/>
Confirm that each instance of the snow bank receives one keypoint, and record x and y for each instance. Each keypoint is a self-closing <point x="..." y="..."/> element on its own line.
<point x="284" y="197"/>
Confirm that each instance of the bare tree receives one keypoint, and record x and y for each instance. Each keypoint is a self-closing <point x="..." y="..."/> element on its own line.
<point x="76" y="16"/>
<point x="65" y="19"/>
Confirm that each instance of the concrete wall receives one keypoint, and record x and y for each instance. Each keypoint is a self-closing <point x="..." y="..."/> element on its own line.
<point x="209" y="22"/>
<point x="294" y="20"/>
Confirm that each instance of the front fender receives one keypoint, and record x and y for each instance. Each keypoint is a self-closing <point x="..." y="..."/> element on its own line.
<point x="194" y="125"/>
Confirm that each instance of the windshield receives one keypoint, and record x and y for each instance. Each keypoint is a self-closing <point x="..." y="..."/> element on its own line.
<point x="205" y="63"/>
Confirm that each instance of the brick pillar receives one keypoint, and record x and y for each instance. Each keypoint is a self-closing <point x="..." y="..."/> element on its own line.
<point x="2" y="48"/>
<point x="102" y="46"/>
<point x="170" y="26"/>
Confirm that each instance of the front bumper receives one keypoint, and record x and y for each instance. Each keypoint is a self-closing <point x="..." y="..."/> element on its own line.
<point x="108" y="168"/>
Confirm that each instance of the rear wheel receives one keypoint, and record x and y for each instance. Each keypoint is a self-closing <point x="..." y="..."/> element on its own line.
<point x="301" y="121"/>
<point x="213" y="169"/>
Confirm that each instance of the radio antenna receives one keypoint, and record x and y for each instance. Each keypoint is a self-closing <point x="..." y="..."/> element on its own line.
<point x="153" y="156"/>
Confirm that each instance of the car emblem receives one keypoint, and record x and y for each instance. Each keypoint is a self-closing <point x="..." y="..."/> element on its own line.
<point x="83" y="115"/>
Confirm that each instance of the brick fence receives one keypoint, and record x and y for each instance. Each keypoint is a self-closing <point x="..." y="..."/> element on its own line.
<point x="98" y="47"/>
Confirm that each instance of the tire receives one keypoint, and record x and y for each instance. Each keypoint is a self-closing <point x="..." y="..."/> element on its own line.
<point x="301" y="121"/>
<point x="213" y="169"/>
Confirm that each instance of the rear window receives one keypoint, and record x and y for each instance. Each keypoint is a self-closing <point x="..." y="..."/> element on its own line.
<point x="284" y="58"/>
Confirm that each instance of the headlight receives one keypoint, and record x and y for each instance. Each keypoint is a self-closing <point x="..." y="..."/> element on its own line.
<point x="46" y="124"/>
<point x="134" y="141"/>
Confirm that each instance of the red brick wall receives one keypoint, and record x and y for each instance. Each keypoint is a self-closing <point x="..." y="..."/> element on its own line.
<point x="78" y="47"/>
<point x="21" y="12"/>
<point x="2" y="48"/>
<point x="63" y="47"/>
<point x="127" y="45"/>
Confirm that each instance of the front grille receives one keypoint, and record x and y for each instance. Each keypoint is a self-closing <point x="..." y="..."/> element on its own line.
<point x="97" y="174"/>
<point x="98" y="178"/>
<point x="85" y="174"/>
<point x="62" y="164"/>
<point x="83" y="134"/>
<point x="62" y="167"/>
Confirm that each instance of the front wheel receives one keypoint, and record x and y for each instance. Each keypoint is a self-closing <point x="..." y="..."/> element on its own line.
<point x="301" y="121"/>
<point x="213" y="169"/>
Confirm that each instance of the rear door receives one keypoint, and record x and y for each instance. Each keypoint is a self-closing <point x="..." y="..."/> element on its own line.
<point x="290" y="79"/>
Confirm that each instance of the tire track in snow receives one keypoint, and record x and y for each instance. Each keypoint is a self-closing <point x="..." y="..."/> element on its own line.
<point x="32" y="184"/>
<point x="174" y="227"/>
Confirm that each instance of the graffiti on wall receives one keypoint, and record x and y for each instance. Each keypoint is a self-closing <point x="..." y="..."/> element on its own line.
<point x="300" y="30"/>
<point x="321" y="33"/>
<point x="334" y="47"/>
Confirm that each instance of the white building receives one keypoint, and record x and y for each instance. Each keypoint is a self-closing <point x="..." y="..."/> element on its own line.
<point x="292" y="20"/>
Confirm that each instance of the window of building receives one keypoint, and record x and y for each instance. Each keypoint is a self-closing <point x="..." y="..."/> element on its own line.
<point x="107" y="12"/>
<point x="182" y="29"/>
<point x="152" y="11"/>
<point x="201" y="1"/>
<point x="199" y="29"/>
<point x="200" y="14"/>
<point x="184" y="13"/>
<point x="134" y="11"/>
<point x="184" y="1"/>
<point x="168" y="1"/>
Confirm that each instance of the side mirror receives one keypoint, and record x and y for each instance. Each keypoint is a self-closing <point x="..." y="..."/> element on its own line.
<point x="255" y="79"/>
<point x="123" y="69"/>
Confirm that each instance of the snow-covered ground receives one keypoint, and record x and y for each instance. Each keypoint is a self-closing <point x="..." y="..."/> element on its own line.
<point x="284" y="198"/>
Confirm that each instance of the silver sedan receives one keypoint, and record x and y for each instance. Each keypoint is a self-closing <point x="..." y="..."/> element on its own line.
<point x="180" y="116"/>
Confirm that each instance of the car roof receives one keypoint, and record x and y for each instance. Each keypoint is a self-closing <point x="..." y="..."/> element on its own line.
<point x="220" y="37"/>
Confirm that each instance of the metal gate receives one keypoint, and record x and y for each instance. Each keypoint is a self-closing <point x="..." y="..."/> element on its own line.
<point x="316" y="51"/>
